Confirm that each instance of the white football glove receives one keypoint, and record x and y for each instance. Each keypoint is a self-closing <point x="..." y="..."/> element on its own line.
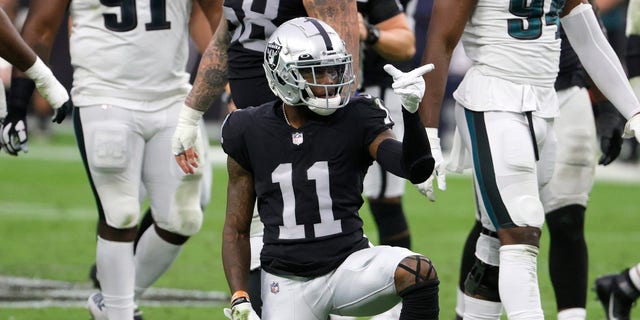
<point x="241" y="309"/>
<point x="426" y="188"/>
<point x="632" y="128"/>
<point x="50" y="89"/>
<point x="409" y="86"/>
<point x="186" y="132"/>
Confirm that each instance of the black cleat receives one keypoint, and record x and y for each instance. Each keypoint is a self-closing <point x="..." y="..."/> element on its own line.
<point x="617" y="295"/>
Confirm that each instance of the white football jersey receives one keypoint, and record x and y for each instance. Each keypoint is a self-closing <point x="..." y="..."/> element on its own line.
<point x="515" y="50"/>
<point x="133" y="50"/>
<point x="515" y="42"/>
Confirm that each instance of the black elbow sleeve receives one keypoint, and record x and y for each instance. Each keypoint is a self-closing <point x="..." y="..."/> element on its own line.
<point x="412" y="158"/>
<point x="416" y="150"/>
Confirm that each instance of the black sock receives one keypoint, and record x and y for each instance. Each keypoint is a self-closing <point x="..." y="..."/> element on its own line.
<point x="392" y="224"/>
<point x="568" y="259"/>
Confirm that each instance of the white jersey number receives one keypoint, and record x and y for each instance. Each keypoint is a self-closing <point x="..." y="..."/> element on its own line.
<point x="319" y="172"/>
<point x="129" y="16"/>
<point x="257" y="24"/>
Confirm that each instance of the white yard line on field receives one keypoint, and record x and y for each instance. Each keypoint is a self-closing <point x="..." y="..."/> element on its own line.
<point x="38" y="293"/>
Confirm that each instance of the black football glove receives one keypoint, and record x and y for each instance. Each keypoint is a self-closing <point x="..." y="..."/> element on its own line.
<point x="609" y="125"/>
<point x="60" y="113"/>
<point x="14" y="137"/>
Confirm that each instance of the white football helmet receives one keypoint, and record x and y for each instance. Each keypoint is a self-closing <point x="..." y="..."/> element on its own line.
<point x="305" y="55"/>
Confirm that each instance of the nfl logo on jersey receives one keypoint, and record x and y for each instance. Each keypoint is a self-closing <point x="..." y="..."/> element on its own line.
<point x="297" y="138"/>
<point x="275" y="287"/>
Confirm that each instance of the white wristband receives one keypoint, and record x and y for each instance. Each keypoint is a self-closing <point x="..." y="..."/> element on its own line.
<point x="189" y="116"/>
<point x="432" y="133"/>
<point x="38" y="71"/>
<point x="48" y="86"/>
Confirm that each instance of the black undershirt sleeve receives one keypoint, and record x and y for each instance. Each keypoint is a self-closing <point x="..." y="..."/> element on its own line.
<point x="410" y="159"/>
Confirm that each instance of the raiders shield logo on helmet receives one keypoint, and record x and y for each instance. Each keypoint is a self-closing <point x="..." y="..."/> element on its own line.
<point x="272" y="52"/>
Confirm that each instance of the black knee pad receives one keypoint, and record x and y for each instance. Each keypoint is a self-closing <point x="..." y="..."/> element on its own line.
<point x="482" y="281"/>
<point x="420" y="301"/>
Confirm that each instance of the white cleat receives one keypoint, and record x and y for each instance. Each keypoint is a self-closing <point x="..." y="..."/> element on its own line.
<point x="95" y="305"/>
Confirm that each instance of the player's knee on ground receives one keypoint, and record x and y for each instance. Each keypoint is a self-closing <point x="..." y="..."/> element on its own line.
<point x="417" y="284"/>
<point x="482" y="282"/>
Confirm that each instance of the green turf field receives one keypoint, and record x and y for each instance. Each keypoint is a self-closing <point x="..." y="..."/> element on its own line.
<point x="47" y="228"/>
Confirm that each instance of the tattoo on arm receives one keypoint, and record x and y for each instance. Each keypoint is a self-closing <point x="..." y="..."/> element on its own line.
<point x="212" y="72"/>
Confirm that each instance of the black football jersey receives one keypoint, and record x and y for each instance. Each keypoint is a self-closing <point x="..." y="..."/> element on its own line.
<point x="376" y="11"/>
<point x="308" y="181"/>
<point x="251" y="23"/>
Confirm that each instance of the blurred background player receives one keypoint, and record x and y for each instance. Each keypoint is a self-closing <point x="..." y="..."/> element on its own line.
<point x="125" y="116"/>
<point x="619" y="292"/>
<point x="13" y="129"/>
<point x="496" y="127"/>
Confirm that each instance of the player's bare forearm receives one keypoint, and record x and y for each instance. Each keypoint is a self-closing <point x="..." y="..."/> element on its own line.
<point x="236" y="248"/>
<point x="397" y="41"/>
<point x="12" y="47"/>
<point x="41" y="26"/>
<point x="212" y="71"/>
<point x="341" y="15"/>
<point x="445" y="28"/>
<point x="212" y="9"/>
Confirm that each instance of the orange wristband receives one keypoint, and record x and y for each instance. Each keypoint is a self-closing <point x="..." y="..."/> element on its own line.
<point x="239" y="294"/>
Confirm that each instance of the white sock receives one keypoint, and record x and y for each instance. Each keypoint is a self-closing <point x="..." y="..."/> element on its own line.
<point x="459" y="302"/>
<point x="476" y="309"/>
<point x="572" y="314"/>
<point x="634" y="274"/>
<point x="518" y="282"/>
<point x="153" y="257"/>
<point x="116" y="272"/>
